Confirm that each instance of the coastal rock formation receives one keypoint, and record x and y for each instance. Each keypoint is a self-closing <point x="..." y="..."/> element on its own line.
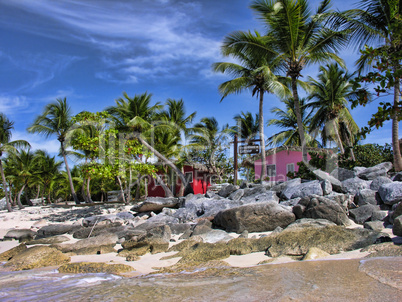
<point x="354" y="185"/>
<point x="7" y="255"/>
<point x="257" y="217"/>
<point x="363" y="213"/>
<point x="391" y="193"/>
<point x="94" y="245"/>
<point x="376" y="171"/>
<point x="155" y="204"/>
<point x="35" y="257"/>
<point x="20" y="234"/>
<point x="94" y="267"/>
<point x="57" y="229"/>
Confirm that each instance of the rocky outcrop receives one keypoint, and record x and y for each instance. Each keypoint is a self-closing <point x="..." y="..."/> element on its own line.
<point x="366" y="196"/>
<point x="378" y="182"/>
<point x="354" y="185"/>
<point x="363" y="213"/>
<point x="7" y="255"/>
<point x="391" y="193"/>
<point x="335" y="183"/>
<point x="397" y="227"/>
<point x="302" y="190"/>
<point x="101" y="244"/>
<point x="155" y="204"/>
<point x="342" y="174"/>
<point x="257" y="217"/>
<point x="35" y="257"/>
<point x="57" y="229"/>
<point x="20" y="234"/>
<point x="227" y="190"/>
<point x="95" y="267"/>
<point x="376" y="171"/>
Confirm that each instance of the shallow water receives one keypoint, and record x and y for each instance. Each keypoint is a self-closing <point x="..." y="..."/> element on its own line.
<point x="375" y="279"/>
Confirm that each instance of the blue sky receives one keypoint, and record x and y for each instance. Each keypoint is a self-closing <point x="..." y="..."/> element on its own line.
<point x="91" y="51"/>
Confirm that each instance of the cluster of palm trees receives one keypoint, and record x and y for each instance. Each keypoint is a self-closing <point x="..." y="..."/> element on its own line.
<point x="295" y="38"/>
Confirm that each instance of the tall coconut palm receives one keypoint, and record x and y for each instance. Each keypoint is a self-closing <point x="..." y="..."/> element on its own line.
<point x="297" y="38"/>
<point x="254" y="72"/>
<point x="247" y="125"/>
<point x="378" y="23"/>
<point x="287" y="120"/>
<point x="6" y="145"/>
<point x="207" y="137"/>
<point x="330" y="94"/>
<point x="56" y="120"/>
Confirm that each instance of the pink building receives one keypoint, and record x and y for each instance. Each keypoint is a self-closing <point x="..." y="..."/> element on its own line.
<point x="280" y="161"/>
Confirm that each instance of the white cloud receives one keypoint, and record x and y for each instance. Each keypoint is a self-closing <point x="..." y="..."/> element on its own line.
<point x="11" y="104"/>
<point x="38" y="142"/>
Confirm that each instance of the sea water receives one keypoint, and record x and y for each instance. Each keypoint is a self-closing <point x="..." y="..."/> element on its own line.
<point x="375" y="279"/>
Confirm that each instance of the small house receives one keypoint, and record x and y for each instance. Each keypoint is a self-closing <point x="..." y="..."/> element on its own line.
<point x="198" y="176"/>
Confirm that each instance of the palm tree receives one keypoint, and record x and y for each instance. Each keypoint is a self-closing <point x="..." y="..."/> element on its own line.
<point x="254" y="72"/>
<point x="287" y="120"/>
<point x="247" y="125"/>
<point x="137" y="116"/>
<point x="207" y="138"/>
<point x="378" y="23"/>
<point x="6" y="146"/>
<point x="297" y="38"/>
<point x="56" y="119"/>
<point x="330" y="94"/>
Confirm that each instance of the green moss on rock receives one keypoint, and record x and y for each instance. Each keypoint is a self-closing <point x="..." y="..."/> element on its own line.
<point x="7" y="255"/>
<point x="386" y="249"/>
<point x="95" y="267"/>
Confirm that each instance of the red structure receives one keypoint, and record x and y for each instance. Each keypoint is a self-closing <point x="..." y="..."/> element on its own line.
<point x="198" y="176"/>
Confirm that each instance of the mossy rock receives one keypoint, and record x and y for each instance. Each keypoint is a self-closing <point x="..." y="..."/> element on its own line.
<point x="7" y="255"/>
<point x="203" y="252"/>
<point x="205" y="267"/>
<point x="154" y="246"/>
<point x="35" y="257"/>
<point x="386" y="249"/>
<point x="49" y="240"/>
<point x="132" y="258"/>
<point x="242" y="246"/>
<point x="95" y="267"/>
<point x="331" y="239"/>
<point x="99" y="250"/>
<point x="185" y="244"/>
<point x="315" y="253"/>
<point x="139" y="251"/>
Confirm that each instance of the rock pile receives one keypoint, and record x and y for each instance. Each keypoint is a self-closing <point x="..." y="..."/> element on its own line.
<point x="306" y="217"/>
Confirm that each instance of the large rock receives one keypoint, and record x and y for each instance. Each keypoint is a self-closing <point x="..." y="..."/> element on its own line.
<point x="288" y="188"/>
<point x="326" y="187"/>
<point x="227" y="190"/>
<point x="7" y="255"/>
<point x="315" y="253"/>
<point x="3" y="204"/>
<point x="318" y="207"/>
<point x="258" y="217"/>
<point x="397" y="227"/>
<point x="336" y="183"/>
<point x="92" y="245"/>
<point x="94" y="267"/>
<point x="257" y="190"/>
<point x="397" y="210"/>
<point x="214" y="236"/>
<point x="376" y="171"/>
<point x="391" y="193"/>
<point x="342" y="174"/>
<point x="366" y="196"/>
<point x="302" y="190"/>
<point x="309" y="223"/>
<point x="35" y="257"/>
<point x="378" y="182"/>
<point x="155" y="204"/>
<point x="57" y="229"/>
<point x="363" y="213"/>
<point x="236" y="195"/>
<point x="20" y="234"/>
<point x="331" y="239"/>
<point x="354" y="185"/>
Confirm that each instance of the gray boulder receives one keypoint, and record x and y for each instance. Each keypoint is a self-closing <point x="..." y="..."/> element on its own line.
<point x="309" y="223"/>
<point x="267" y="196"/>
<point x="184" y="215"/>
<point x="326" y="187"/>
<point x="354" y="185"/>
<point x="179" y="228"/>
<point x="155" y="204"/>
<point x="363" y="213"/>
<point x="397" y="177"/>
<point x="257" y="217"/>
<point x="210" y="194"/>
<point x="397" y="227"/>
<point x="290" y="202"/>
<point x="374" y="225"/>
<point x="376" y="171"/>
<point x="257" y="190"/>
<point x="366" y="196"/>
<point x="318" y="207"/>
<point x="236" y="195"/>
<point x="20" y="234"/>
<point x="214" y="236"/>
<point x="397" y="210"/>
<point x="378" y="182"/>
<point x="342" y="174"/>
<point x="92" y="245"/>
<point x="227" y="190"/>
<point x="336" y="183"/>
<point x="57" y="229"/>
<point x="303" y="189"/>
<point x="3" y="204"/>
<point x="379" y="215"/>
<point x="391" y="193"/>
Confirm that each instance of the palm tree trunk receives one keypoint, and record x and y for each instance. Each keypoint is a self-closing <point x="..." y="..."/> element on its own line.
<point x="299" y="119"/>
<point x="138" y="188"/>
<point x="349" y="143"/>
<point x="88" y="193"/>
<point x="338" y="137"/>
<point x="3" y="177"/>
<point x="168" y="192"/>
<point x="70" y="180"/>
<point x="395" y="129"/>
<point x="188" y="188"/>
<point x="37" y="192"/>
<point x="262" y="138"/>
<point x="121" y="189"/>
<point x="181" y="190"/>
<point x="130" y="183"/>
<point x="20" y="206"/>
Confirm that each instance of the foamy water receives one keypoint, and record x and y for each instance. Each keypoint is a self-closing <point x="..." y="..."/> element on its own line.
<point x="376" y="279"/>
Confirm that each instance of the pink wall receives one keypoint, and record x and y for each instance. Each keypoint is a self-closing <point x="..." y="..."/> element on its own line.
<point x="280" y="159"/>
